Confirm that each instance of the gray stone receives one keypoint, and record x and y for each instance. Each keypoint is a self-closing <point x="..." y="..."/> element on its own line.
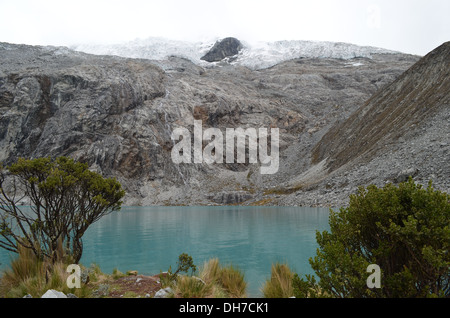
<point x="102" y="290"/>
<point x="405" y="174"/>
<point x="51" y="293"/>
<point x="85" y="275"/>
<point x="163" y="293"/>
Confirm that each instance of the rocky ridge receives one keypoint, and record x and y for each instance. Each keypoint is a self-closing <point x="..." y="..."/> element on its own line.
<point x="117" y="114"/>
<point x="252" y="55"/>
<point x="403" y="130"/>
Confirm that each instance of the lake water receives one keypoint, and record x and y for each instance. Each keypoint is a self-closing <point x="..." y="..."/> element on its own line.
<point x="150" y="239"/>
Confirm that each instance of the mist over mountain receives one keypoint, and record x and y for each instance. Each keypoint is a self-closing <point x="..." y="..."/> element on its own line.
<point x="347" y="116"/>
<point x="254" y="55"/>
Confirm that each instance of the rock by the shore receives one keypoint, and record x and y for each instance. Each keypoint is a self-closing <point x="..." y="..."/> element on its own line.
<point x="232" y="197"/>
<point x="163" y="293"/>
<point x="51" y="293"/>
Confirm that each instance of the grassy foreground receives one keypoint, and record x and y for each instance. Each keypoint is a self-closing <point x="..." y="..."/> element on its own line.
<point x="28" y="276"/>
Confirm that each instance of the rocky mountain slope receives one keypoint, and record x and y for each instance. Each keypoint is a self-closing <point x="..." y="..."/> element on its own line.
<point x="402" y="130"/>
<point x="118" y="114"/>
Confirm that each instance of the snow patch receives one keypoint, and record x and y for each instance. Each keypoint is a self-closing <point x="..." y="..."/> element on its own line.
<point x="254" y="55"/>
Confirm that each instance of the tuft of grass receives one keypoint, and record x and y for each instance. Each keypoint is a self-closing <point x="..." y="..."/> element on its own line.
<point x="228" y="281"/>
<point x="24" y="266"/>
<point x="232" y="280"/>
<point x="211" y="270"/>
<point x="214" y="281"/>
<point x="116" y="274"/>
<point x="280" y="283"/>
<point x="28" y="275"/>
<point x="191" y="287"/>
<point x="130" y="294"/>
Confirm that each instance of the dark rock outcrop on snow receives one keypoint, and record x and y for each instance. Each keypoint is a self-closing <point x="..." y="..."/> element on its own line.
<point x="224" y="48"/>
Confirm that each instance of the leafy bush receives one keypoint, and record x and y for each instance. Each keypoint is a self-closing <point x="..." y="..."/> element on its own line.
<point x="405" y="230"/>
<point x="185" y="263"/>
<point x="66" y="198"/>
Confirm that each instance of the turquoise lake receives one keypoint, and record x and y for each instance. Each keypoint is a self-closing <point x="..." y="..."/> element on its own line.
<point x="149" y="239"/>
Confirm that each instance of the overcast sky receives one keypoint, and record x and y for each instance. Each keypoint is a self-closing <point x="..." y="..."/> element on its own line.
<point x="410" y="26"/>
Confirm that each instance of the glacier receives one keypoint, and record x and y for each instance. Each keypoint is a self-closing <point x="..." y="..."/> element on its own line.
<point x="255" y="55"/>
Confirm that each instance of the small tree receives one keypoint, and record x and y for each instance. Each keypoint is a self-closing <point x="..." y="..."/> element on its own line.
<point x="405" y="230"/>
<point x="66" y="198"/>
<point x="185" y="263"/>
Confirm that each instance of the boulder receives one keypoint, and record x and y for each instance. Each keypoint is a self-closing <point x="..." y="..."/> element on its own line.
<point x="163" y="293"/>
<point x="405" y="174"/>
<point x="51" y="293"/>
<point x="102" y="290"/>
<point x="132" y="273"/>
<point x="85" y="275"/>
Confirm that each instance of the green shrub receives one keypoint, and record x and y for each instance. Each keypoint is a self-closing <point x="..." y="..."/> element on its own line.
<point x="116" y="273"/>
<point x="65" y="199"/>
<point x="185" y="263"/>
<point x="405" y="230"/>
<point x="306" y="287"/>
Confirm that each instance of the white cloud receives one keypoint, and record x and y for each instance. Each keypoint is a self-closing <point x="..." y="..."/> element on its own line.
<point x="413" y="26"/>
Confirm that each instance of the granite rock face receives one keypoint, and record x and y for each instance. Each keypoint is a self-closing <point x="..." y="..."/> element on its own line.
<point x="60" y="105"/>
<point x="118" y="114"/>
